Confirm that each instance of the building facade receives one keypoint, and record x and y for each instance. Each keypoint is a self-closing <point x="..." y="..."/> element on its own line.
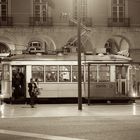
<point x="44" y="20"/>
<point x="112" y="23"/>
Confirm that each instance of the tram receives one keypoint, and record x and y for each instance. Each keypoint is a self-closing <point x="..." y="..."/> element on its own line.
<point x="103" y="77"/>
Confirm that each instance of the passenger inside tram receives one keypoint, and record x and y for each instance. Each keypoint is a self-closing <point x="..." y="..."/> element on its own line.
<point x="51" y="77"/>
<point x="17" y="83"/>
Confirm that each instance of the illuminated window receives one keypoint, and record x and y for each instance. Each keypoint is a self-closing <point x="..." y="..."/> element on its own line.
<point x="121" y="72"/>
<point x="64" y="73"/>
<point x="38" y="73"/>
<point x="41" y="10"/>
<point x="51" y="73"/>
<point x="118" y="10"/>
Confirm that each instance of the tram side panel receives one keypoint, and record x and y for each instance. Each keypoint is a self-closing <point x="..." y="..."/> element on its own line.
<point x="103" y="90"/>
<point x="28" y="77"/>
<point x="6" y="90"/>
<point x="48" y="90"/>
<point x="111" y="82"/>
<point x="58" y="90"/>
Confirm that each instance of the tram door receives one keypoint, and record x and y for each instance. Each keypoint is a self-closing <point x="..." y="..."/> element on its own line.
<point x="122" y="79"/>
<point x="18" y="82"/>
<point x="135" y="80"/>
<point x="138" y="81"/>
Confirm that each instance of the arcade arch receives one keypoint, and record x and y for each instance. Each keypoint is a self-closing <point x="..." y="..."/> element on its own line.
<point x="4" y="48"/>
<point x="41" y="43"/>
<point x="7" y="44"/>
<point x="86" y="45"/>
<point x="117" y="45"/>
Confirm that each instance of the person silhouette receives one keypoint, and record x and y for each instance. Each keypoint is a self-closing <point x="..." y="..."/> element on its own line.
<point x="31" y="90"/>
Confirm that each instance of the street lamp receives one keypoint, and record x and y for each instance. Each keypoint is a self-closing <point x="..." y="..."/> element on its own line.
<point x="79" y="57"/>
<point x="78" y="22"/>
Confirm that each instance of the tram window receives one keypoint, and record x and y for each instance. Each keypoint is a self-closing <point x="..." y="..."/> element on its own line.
<point x="64" y="73"/>
<point x="93" y="73"/>
<point x="104" y="73"/>
<point x="75" y="73"/>
<point x="38" y="73"/>
<point x="51" y="73"/>
<point x="121" y="72"/>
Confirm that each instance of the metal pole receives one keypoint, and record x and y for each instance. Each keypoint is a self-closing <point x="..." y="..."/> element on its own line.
<point x="88" y="84"/>
<point x="79" y="58"/>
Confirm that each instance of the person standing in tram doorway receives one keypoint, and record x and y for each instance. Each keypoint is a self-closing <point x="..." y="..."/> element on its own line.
<point x="31" y="90"/>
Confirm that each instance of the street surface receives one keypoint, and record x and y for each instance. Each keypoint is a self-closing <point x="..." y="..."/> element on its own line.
<point x="66" y="122"/>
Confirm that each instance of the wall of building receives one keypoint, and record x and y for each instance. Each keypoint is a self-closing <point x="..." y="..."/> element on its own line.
<point x="61" y="11"/>
<point x="99" y="11"/>
<point x="133" y="12"/>
<point x="19" y="37"/>
<point x="21" y="11"/>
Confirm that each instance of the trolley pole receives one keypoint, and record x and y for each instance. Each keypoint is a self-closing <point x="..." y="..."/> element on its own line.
<point x="79" y="57"/>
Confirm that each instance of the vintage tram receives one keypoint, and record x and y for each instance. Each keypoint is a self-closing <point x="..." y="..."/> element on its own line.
<point x="108" y="77"/>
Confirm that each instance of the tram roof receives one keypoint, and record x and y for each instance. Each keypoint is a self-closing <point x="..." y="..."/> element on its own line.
<point x="68" y="57"/>
<point x="33" y="57"/>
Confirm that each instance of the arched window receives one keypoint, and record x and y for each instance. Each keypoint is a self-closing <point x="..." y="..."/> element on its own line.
<point x="111" y="46"/>
<point x="117" y="45"/>
<point x="4" y="48"/>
